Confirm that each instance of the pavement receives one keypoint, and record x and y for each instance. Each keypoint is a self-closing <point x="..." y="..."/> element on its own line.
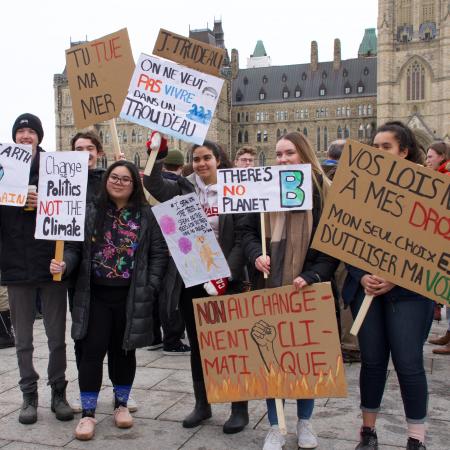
<point x="163" y="391"/>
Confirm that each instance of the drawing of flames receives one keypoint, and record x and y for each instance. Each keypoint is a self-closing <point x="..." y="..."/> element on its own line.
<point x="278" y="384"/>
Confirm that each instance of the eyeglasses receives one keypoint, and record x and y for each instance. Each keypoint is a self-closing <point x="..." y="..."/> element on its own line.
<point x="124" y="181"/>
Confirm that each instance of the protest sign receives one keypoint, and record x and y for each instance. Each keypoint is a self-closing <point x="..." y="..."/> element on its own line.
<point x="271" y="343"/>
<point x="15" y="163"/>
<point x="389" y="217"/>
<point x="191" y="240"/>
<point x="172" y="99"/>
<point x="62" y="196"/>
<point x="99" y="73"/>
<point x="189" y="52"/>
<point x="263" y="189"/>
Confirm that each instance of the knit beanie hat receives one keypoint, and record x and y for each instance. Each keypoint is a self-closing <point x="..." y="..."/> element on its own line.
<point x="174" y="157"/>
<point x="28" y="120"/>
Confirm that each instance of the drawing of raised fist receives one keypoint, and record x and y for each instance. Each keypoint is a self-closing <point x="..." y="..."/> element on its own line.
<point x="264" y="335"/>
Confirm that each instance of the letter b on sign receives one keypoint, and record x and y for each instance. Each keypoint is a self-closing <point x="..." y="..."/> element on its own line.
<point x="291" y="196"/>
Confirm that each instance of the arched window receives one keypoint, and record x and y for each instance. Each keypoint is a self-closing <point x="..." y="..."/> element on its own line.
<point x="262" y="159"/>
<point x="139" y="137"/>
<point x="133" y="136"/>
<point x="107" y="137"/>
<point x="239" y="137"/>
<point x="368" y="131"/>
<point x="360" y="88"/>
<point x="324" y="75"/>
<point x="345" y="73"/>
<point x="325" y="138"/>
<point x="101" y="136"/>
<point x="239" y="96"/>
<point x="124" y="137"/>
<point x="366" y="71"/>
<point x="245" y="136"/>
<point x="346" y="132"/>
<point x="238" y="117"/>
<point x="262" y="94"/>
<point x="284" y="132"/>
<point x="278" y="133"/>
<point x="284" y="78"/>
<point x="285" y="92"/>
<point x="415" y="82"/>
<point x="265" y="136"/>
<point x="245" y="80"/>
<point x="258" y="136"/>
<point x="304" y="77"/>
<point x="318" y="139"/>
<point x="104" y="162"/>
<point x="265" y="79"/>
<point x="298" y="91"/>
<point x="361" y="132"/>
<point x="246" y="116"/>
<point x="305" y="131"/>
<point x="347" y="88"/>
<point x="322" y="90"/>
<point x="339" y="132"/>
<point x="137" y="160"/>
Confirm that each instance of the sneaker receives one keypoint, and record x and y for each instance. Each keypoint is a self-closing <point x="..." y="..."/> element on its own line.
<point x="178" y="349"/>
<point x="274" y="439"/>
<point x="131" y="404"/>
<point x="76" y="405"/>
<point x="156" y="344"/>
<point x="85" y="429"/>
<point x="414" y="444"/>
<point x="305" y="435"/>
<point x="368" y="439"/>
<point x="122" y="417"/>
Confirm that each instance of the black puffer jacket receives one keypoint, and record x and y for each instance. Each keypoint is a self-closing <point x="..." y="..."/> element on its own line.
<point x="24" y="259"/>
<point x="318" y="267"/>
<point x="150" y="264"/>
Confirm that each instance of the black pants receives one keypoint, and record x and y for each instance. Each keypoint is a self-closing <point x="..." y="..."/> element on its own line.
<point x="187" y="312"/>
<point x="172" y="325"/>
<point x="106" y="328"/>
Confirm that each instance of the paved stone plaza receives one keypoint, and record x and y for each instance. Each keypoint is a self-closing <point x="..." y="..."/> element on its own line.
<point x="164" y="394"/>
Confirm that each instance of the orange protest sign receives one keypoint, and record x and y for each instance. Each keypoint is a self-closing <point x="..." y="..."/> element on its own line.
<point x="99" y="74"/>
<point x="389" y="217"/>
<point x="270" y="343"/>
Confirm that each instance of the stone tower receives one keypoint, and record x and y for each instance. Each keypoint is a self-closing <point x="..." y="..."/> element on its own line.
<point x="413" y="77"/>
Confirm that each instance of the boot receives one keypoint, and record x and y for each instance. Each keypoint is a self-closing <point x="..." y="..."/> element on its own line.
<point x="6" y="334"/>
<point x="60" y="406"/>
<point x="443" y="340"/>
<point x="238" y="419"/>
<point x="445" y="350"/>
<point x="202" y="409"/>
<point x="28" y="412"/>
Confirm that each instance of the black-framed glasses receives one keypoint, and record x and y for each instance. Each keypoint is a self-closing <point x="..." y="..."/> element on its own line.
<point x="124" y="181"/>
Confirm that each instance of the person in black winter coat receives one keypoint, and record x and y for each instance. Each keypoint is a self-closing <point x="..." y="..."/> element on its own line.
<point x="206" y="159"/>
<point x="291" y="260"/>
<point x="120" y="266"/>
<point x="24" y="267"/>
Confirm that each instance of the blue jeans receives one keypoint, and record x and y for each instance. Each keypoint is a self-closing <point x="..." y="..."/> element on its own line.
<point x="304" y="410"/>
<point x="398" y="324"/>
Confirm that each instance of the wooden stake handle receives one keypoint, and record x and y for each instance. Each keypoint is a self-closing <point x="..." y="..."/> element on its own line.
<point x="263" y="238"/>
<point x="361" y="315"/>
<point x="115" y="139"/>
<point x="150" y="162"/>
<point x="280" y="415"/>
<point x="59" y="253"/>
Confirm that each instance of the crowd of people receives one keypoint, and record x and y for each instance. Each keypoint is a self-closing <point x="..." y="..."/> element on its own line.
<point x="123" y="286"/>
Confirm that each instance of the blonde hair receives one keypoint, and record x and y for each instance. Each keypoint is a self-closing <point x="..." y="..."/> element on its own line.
<point x="308" y="156"/>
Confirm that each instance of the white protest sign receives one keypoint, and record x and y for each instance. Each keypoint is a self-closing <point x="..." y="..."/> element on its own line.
<point x="62" y="196"/>
<point x="15" y="163"/>
<point x="263" y="189"/>
<point x="172" y="99"/>
<point x="191" y="240"/>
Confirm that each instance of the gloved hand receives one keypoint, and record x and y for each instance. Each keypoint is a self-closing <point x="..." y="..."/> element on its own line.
<point x="159" y="143"/>
<point x="216" y="287"/>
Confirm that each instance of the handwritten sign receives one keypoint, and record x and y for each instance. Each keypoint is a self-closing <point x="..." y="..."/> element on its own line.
<point x="189" y="52"/>
<point x="99" y="73"/>
<point x="271" y="343"/>
<point x="171" y="99"/>
<point x="191" y="240"/>
<point x="262" y="189"/>
<point x="15" y="163"/>
<point x="389" y="217"/>
<point x="62" y="196"/>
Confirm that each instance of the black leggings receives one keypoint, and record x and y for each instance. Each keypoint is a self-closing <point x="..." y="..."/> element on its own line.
<point x="106" y="328"/>
<point x="187" y="312"/>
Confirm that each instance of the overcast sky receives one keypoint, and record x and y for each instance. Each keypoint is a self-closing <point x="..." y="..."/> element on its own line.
<point x="35" y="34"/>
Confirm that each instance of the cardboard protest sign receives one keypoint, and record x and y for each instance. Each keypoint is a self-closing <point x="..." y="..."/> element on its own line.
<point x="172" y="99"/>
<point x="189" y="52"/>
<point x="99" y="73"/>
<point x="15" y="163"/>
<point x="263" y="189"/>
<point x="271" y="343"/>
<point x="389" y="217"/>
<point x="62" y="196"/>
<point x="191" y="240"/>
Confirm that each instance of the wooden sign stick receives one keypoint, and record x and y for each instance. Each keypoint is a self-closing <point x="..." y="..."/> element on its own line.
<point x="361" y="315"/>
<point x="263" y="238"/>
<point x="59" y="253"/>
<point x="115" y="139"/>
<point x="280" y="414"/>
